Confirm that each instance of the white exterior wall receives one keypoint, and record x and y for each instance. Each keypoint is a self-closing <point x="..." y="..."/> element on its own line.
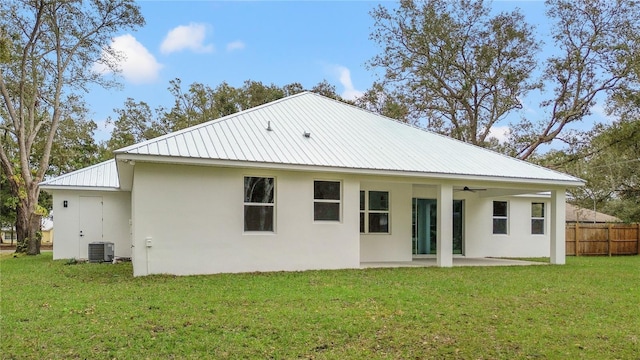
<point x="116" y="212"/>
<point x="395" y="246"/>
<point x="193" y="218"/>
<point x="518" y="242"/>
<point x="479" y="240"/>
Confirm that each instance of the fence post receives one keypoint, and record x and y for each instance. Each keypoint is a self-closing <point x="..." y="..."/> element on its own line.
<point x="609" y="236"/>
<point x="577" y="237"/>
<point x="638" y="238"/>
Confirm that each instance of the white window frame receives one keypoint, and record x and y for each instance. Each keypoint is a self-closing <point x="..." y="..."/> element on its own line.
<point x="499" y="217"/>
<point x="327" y="201"/>
<point x="538" y="218"/>
<point x="362" y="205"/>
<point x="367" y="211"/>
<point x="272" y="204"/>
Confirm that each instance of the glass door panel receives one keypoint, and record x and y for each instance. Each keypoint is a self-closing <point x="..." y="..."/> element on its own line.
<point x="458" y="227"/>
<point x="424" y="226"/>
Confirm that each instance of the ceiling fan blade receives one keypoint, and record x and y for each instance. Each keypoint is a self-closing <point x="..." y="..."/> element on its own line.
<point x="466" y="188"/>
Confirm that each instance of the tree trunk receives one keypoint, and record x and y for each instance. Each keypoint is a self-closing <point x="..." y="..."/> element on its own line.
<point x="27" y="229"/>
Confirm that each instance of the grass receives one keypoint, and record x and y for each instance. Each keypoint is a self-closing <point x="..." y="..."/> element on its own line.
<point x="587" y="309"/>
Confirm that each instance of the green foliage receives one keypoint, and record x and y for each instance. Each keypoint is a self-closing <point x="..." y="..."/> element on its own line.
<point x="131" y="126"/>
<point x="48" y="50"/>
<point x="455" y="68"/>
<point x="608" y="160"/>
<point x="598" y="47"/>
<point x="7" y="203"/>
<point x="198" y="104"/>
<point x="582" y="310"/>
<point x="377" y="100"/>
<point x="74" y="147"/>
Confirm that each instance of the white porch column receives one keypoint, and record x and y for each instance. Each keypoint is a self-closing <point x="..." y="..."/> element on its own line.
<point x="558" y="245"/>
<point x="445" y="226"/>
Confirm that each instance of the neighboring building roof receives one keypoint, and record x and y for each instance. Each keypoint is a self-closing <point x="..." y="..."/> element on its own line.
<point x="46" y="224"/>
<point x="102" y="175"/>
<point x="578" y="214"/>
<point x="311" y="130"/>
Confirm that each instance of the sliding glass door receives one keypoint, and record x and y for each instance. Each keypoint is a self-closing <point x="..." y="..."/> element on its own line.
<point x="424" y="223"/>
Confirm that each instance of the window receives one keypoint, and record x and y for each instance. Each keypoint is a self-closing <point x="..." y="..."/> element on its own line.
<point x="537" y="218"/>
<point x="500" y="210"/>
<point x="326" y="200"/>
<point x="362" y="212"/>
<point x="375" y="212"/>
<point x="259" y="203"/>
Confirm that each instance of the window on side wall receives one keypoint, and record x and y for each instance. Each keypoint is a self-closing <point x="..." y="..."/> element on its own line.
<point x="500" y="218"/>
<point x="537" y="218"/>
<point x="326" y="200"/>
<point x="362" y="211"/>
<point x="259" y="203"/>
<point x="374" y="212"/>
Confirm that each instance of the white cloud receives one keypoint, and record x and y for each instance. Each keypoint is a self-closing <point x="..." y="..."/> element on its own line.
<point x="600" y="113"/>
<point x="344" y="76"/>
<point x="186" y="37"/>
<point x="137" y="64"/>
<point x="500" y="132"/>
<point x="236" y="45"/>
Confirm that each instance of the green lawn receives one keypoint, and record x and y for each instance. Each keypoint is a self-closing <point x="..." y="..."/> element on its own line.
<point x="587" y="309"/>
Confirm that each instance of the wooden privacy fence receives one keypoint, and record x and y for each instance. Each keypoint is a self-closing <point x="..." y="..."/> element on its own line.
<point x="602" y="239"/>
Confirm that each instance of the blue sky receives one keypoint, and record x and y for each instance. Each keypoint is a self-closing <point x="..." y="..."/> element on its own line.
<point x="277" y="42"/>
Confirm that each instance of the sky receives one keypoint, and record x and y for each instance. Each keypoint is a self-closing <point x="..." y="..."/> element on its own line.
<point x="274" y="42"/>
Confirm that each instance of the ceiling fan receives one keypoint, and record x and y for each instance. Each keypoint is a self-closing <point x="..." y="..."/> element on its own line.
<point x="466" y="188"/>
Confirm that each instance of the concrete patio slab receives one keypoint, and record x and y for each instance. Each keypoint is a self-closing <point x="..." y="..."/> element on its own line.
<point x="457" y="261"/>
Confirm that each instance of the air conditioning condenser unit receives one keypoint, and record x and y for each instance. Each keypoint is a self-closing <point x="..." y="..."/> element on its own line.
<point x="101" y="251"/>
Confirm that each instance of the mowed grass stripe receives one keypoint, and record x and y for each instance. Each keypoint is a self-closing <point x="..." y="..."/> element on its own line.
<point x="588" y="308"/>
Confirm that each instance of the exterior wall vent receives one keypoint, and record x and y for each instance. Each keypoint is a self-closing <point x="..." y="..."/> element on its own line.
<point x="101" y="251"/>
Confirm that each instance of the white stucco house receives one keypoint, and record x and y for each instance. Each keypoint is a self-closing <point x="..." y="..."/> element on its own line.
<point x="307" y="182"/>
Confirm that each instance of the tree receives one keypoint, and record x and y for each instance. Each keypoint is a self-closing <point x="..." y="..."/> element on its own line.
<point x="608" y="161"/>
<point x="378" y="101"/>
<point x="455" y="68"/>
<point x="460" y="71"/>
<point x="254" y="93"/>
<point x="74" y="146"/>
<point x="198" y="104"/>
<point x="7" y="206"/>
<point x="201" y="103"/>
<point x="616" y="168"/>
<point x="47" y="52"/>
<point x="325" y="89"/>
<point x="599" y="48"/>
<point x="132" y="125"/>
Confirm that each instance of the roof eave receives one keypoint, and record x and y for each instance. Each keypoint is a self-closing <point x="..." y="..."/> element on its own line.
<point x="126" y="157"/>
<point x="75" y="187"/>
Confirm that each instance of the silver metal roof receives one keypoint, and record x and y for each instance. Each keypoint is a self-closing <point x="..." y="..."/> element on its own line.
<point x="338" y="135"/>
<point x="102" y="175"/>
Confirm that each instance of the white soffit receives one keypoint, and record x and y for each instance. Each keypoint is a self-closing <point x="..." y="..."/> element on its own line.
<point x="338" y="135"/>
<point x="102" y="175"/>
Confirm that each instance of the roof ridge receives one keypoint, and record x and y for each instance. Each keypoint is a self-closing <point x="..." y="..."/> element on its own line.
<point x="209" y="122"/>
